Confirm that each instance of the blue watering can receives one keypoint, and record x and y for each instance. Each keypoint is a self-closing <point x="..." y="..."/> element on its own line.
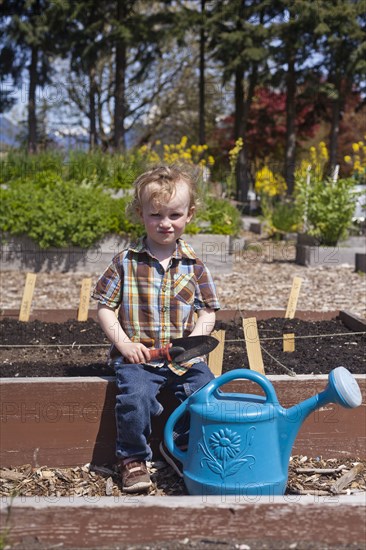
<point x="240" y="444"/>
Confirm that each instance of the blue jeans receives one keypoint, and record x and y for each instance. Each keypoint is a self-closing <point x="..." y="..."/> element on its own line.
<point x="138" y="386"/>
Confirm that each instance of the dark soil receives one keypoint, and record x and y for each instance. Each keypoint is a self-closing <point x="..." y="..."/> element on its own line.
<point x="74" y="348"/>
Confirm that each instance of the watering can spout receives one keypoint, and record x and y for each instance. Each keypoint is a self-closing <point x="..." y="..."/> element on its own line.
<point x="342" y="389"/>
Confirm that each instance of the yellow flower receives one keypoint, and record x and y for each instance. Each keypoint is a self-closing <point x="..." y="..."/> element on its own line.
<point x="183" y="141"/>
<point x="347" y="159"/>
<point x="355" y="147"/>
<point x="323" y="150"/>
<point x="267" y="183"/>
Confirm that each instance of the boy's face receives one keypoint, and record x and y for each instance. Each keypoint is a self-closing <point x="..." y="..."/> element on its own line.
<point x="165" y="223"/>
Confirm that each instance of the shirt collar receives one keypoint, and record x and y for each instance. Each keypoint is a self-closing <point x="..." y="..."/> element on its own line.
<point x="182" y="250"/>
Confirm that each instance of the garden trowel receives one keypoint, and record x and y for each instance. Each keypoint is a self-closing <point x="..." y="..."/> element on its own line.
<point x="183" y="349"/>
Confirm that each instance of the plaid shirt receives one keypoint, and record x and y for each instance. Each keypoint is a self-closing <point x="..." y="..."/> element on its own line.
<point x="155" y="305"/>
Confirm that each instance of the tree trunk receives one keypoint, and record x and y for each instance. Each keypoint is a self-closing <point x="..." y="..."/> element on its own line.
<point x="120" y="86"/>
<point x="202" y="129"/>
<point x="334" y="130"/>
<point x="242" y="110"/>
<point x="32" y="115"/>
<point x="93" y="137"/>
<point x="290" y="153"/>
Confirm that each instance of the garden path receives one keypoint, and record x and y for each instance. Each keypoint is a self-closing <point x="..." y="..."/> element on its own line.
<point x="261" y="278"/>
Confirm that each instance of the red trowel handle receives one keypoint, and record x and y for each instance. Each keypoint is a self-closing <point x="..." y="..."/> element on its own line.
<point x="160" y="353"/>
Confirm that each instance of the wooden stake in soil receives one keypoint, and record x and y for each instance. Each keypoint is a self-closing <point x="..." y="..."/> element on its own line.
<point x="254" y="351"/>
<point x="216" y="356"/>
<point x="294" y="296"/>
<point x="30" y="283"/>
<point x="289" y="342"/>
<point x="84" y="299"/>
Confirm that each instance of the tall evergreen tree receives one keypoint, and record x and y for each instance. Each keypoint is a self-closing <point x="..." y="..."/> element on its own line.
<point x="32" y="30"/>
<point x="292" y="48"/>
<point x="85" y="47"/>
<point x="342" y="38"/>
<point x="239" y="37"/>
<point x="138" y="30"/>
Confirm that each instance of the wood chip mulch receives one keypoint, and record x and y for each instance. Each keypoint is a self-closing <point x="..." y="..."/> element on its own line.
<point x="314" y="476"/>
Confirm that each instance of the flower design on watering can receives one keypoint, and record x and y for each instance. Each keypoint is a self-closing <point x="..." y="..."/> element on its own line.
<point x="222" y="451"/>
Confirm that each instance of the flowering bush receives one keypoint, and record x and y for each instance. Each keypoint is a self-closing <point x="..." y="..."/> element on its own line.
<point x="325" y="205"/>
<point x="316" y="162"/>
<point x="269" y="184"/>
<point x="278" y="214"/>
<point x="177" y="153"/>
<point x="357" y="159"/>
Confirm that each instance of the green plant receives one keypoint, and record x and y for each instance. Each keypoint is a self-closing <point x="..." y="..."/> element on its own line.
<point x="93" y="169"/>
<point x="61" y="201"/>
<point x="326" y="207"/>
<point x="280" y="216"/>
<point x="62" y="214"/>
<point x="217" y="216"/>
<point x="18" y="165"/>
<point x="100" y="169"/>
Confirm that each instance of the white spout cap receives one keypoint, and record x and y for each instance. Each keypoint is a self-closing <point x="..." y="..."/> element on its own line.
<point x="346" y="387"/>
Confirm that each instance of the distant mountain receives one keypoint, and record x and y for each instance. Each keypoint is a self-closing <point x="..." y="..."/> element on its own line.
<point x="67" y="138"/>
<point x="8" y="133"/>
<point x="70" y="138"/>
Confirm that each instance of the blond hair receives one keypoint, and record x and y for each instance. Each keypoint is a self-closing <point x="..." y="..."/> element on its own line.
<point x="166" y="179"/>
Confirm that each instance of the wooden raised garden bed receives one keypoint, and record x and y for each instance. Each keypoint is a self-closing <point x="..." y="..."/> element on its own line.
<point x="69" y="421"/>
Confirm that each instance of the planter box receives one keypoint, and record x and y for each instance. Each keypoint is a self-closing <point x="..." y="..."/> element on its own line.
<point x="61" y="315"/>
<point x="109" y="523"/>
<point x="360" y="263"/>
<point x="310" y="253"/>
<point x="70" y="421"/>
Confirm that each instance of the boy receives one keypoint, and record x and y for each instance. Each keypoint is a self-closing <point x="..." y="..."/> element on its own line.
<point x="158" y="284"/>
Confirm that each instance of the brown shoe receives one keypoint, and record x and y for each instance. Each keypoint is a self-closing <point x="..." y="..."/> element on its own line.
<point x="135" y="477"/>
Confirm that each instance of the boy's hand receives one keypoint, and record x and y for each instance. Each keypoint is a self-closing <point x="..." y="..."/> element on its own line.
<point x="135" y="352"/>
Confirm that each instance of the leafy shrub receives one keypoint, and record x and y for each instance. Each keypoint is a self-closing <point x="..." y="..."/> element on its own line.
<point x="61" y="200"/>
<point x="285" y="217"/>
<point x="100" y="169"/>
<point x="327" y="207"/>
<point x="62" y="213"/>
<point x="94" y="169"/>
<point x="217" y="216"/>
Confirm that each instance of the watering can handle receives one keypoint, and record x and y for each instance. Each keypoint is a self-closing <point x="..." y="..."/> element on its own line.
<point x="245" y="374"/>
<point x="169" y="431"/>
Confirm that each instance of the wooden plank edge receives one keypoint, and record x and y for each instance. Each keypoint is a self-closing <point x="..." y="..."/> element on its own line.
<point x="288" y="519"/>
<point x="351" y="321"/>
<point x="61" y="315"/>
